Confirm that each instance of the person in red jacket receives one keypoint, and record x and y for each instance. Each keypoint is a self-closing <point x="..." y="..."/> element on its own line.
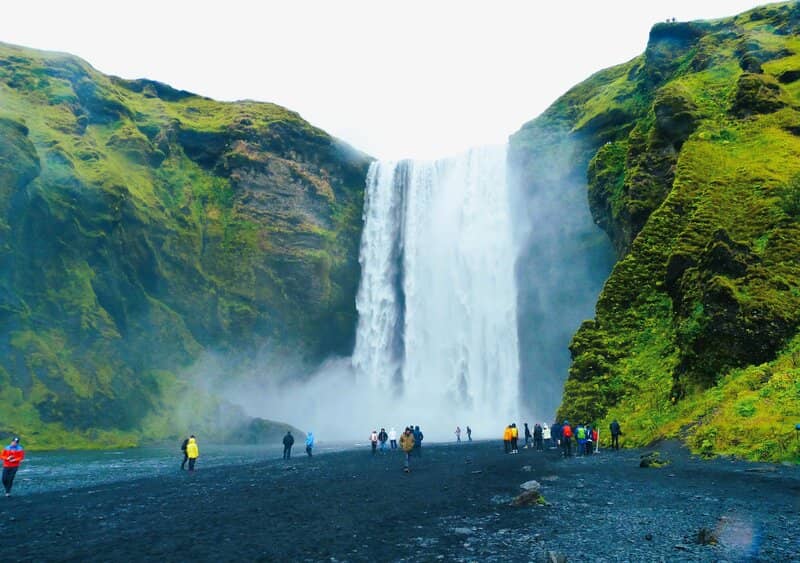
<point x="12" y="455"/>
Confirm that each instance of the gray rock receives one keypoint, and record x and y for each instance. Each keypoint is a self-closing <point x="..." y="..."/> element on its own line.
<point x="531" y="485"/>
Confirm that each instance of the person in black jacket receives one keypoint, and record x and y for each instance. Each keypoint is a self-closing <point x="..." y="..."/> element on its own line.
<point x="185" y="456"/>
<point x="616" y="432"/>
<point x="288" y="442"/>
<point x="537" y="437"/>
<point x="527" y="436"/>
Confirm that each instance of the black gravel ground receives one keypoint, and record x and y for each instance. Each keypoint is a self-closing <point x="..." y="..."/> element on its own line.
<point x="453" y="506"/>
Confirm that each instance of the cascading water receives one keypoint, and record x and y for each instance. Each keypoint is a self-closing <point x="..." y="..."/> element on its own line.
<point x="438" y="302"/>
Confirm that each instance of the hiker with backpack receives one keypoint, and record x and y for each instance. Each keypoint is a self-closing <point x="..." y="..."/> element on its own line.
<point x="566" y="439"/>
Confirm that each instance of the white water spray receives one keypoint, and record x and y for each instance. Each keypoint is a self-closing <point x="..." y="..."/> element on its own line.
<point x="437" y="302"/>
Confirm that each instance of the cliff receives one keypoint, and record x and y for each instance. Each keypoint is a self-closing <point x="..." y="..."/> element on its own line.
<point x="690" y="156"/>
<point x="141" y="226"/>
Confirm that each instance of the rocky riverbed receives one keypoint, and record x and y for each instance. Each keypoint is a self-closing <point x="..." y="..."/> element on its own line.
<point x="455" y="505"/>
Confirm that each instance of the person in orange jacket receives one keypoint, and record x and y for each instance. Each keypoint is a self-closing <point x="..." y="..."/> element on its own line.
<point x="12" y="456"/>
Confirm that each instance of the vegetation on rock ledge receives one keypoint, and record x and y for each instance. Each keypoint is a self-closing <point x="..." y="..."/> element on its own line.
<point x="141" y="225"/>
<point x="693" y="153"/>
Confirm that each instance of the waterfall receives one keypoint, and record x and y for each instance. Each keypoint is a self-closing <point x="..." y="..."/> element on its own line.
<point x="437" y="302"/>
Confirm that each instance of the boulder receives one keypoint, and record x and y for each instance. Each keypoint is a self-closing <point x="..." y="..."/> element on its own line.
<point x="530" y="486"/>
<point x="528" y="498"/>
<point x="653" y="460"/>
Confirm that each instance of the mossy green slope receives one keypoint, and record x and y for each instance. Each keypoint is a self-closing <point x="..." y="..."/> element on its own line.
<point x="692" y="154"/>
<point x="141" y="225"/>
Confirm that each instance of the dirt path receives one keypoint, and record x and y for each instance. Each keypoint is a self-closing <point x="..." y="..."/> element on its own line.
<point x="453" y="506"/>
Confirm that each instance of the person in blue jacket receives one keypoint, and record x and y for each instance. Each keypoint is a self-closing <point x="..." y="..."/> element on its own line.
<point x="309" y="443"/>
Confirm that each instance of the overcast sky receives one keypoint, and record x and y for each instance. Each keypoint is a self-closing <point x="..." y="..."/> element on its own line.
<point x="395" y="79"/>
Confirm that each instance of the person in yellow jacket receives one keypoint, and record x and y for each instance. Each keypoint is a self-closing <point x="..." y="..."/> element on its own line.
<point x="192" y="452"/>
<point x="507" y="439"/>
<point x="407" y="445"/>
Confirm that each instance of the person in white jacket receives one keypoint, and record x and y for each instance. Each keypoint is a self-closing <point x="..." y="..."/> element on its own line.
<point x="546" y="436"/>
<point x="393" y="439"/>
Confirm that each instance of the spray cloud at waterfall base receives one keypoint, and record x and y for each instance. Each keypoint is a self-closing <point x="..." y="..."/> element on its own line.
<point x="441" y="318"/>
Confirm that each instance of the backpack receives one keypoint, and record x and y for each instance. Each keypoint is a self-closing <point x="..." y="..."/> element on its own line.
<point x="566" y="431"/>
<point x="581" y="433"/>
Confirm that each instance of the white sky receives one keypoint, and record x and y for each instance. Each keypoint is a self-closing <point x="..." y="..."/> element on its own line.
<point x="398" y="79"/>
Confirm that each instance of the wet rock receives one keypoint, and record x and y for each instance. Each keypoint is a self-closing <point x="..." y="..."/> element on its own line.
<point x="653" y="460"/>
<point x="528" y="498"/>
<point x="706" y="537"/>
<point x="531" y="485"/>
<point x="526" y="468"/>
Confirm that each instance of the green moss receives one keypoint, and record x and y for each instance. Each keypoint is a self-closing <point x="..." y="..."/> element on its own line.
<point x="695" y="331"/>
<point x="155" y="225"/>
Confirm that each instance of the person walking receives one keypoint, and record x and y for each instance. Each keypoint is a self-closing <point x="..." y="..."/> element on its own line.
<point x="185" y="457"/>
<point x="373" y="440"/>
<point x="12" y="455"/>
<point x="309" y="443"/>
<point x="418" y="436"/>
<point x="458" y="434"/>
<point x="407" y="444"/>
<point x="382" y="437"/>
<point x="288" y="442"/>
<point x="393" y="438"/>
<point x="616" y="432"/>
<point x="469" y="434"/>
<point x="527" y="436"/>
<point x="192" y="452"/>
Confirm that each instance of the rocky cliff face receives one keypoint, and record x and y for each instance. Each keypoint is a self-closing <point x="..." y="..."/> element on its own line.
<point x="141" y="225"/>
<point x="693" y="172"/>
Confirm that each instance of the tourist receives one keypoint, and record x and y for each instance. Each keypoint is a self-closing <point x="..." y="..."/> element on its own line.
<point x="309" y="443"/>
<point x="407" y="444"/>
<point x="566" y="439"/>
<point x="469" y="434"/>
<point x="185" y="457"/>
<point x="527" y="436"/>
<point x="507" y="439"/>
<point x="589" y="440"/>
<point x="537" y="437"/>
<point x="288" y="442"/>
<point x="458" y="434"/>
<point x="12" y="455"/>
<point x="596" y="440"/>
<point x="192" y="452"/>
<point x="418" y="436"/>
<point x="373" y="440"/>
<point x="616" y="432"/>
<point x="546" y="436"/>
<point x="555" y="430"/>
<point x="393" y="438"/>
<point x="382" y="438"/>
<point x="514" y="438"/>
<point x="580" y="437"/>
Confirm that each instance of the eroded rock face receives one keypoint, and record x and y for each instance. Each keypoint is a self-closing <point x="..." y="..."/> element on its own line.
<point x="687" y="151"/>
<point x="141" y="226"/>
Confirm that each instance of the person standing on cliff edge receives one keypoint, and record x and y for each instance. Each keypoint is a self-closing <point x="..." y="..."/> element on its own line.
<point x="12" y="455"/>
<point x="288" y="442"/>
